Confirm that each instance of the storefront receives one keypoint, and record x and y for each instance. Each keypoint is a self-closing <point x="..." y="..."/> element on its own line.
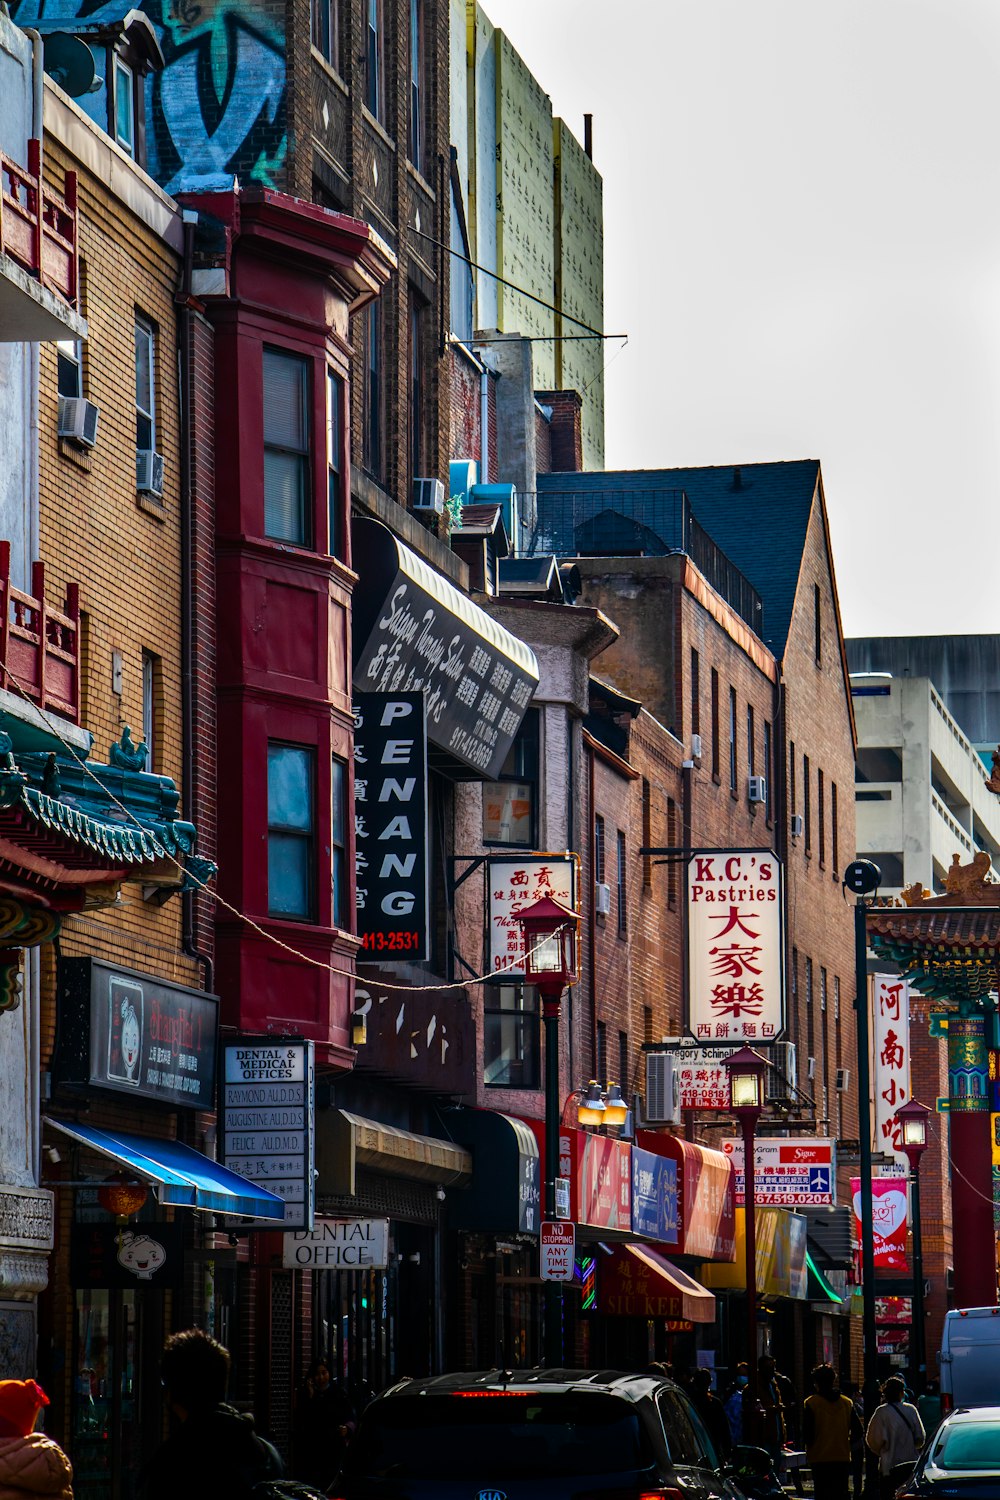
<point x="782" y="1289"/>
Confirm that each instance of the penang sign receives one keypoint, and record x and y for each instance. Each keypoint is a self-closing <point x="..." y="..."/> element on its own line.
<point x="414" y="631"/>
<point x="390" y="824"/>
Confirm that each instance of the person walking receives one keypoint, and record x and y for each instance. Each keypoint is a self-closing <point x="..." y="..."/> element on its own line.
<point x="771" y="1392"/>
<point x="896" y="1434"/>
<point x="850" y="1388"/>
<point x="735" y="1404"/>
<point x="828" y="1423"/>
<point x="929" y="1407"/>
<point x="712" y="1412"/>
<point x="213" y="1450"/>
<point x="324" y="1421"/>
<point x="32" y="1465"/>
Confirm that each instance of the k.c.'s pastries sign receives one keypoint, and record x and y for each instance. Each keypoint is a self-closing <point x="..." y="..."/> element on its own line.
<point x="414" y="631"/>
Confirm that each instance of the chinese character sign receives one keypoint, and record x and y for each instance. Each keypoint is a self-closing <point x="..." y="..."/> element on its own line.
<point x="890" y="1070"/>
<point x="514" y="885"/>
<point x="888" y="1220"/>
<point x="735" y="947"/>
<point x="703" y="1077"/>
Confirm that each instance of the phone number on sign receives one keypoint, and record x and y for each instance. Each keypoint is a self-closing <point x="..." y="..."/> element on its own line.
<point x="391" y="942"/>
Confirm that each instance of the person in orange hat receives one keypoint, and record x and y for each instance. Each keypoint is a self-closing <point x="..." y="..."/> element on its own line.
<point x="31" y="1464"/>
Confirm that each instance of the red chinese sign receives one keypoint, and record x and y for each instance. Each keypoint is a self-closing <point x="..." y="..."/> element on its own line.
<point x="604" y="1183"/>
<point x="514" y="885"/>
<point x="703" y="1077"/>
<point x="890" y="1069"/>
<point x="735" y="941"/>
<point x="889" y="1216"/>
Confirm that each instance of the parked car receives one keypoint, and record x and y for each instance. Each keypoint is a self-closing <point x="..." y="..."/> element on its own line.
<point x="970" y="1357"/>
<point x="532" y="1435"/>
<point x="962" y="1458"/>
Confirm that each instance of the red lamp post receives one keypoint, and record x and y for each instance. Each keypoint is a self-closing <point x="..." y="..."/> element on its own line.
<point x="913" y="1118"/>
<point x="550" y="936"/>
<point x="747" y="1071"/>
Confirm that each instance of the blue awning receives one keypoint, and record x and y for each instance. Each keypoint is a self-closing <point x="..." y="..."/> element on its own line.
<point x="181" y="1177"/>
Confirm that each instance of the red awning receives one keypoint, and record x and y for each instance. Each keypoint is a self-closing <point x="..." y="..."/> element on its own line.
<point x="705" y="1181"/>
<point x="637" y="1281"/>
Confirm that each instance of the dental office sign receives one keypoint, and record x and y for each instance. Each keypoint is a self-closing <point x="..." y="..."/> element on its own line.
<point x="390" y="825"/>
<point x="267" y="1121"/>
<point x="735" y="946"/>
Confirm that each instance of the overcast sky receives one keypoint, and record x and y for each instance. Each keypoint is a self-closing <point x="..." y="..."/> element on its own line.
<point x="802" y="241"/>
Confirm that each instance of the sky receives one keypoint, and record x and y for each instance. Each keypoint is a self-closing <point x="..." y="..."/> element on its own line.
<point x="802" y="242"/>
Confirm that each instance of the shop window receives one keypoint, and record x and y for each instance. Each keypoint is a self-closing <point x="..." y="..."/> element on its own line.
<point x="511" y="1037"/>
<point x="325" y="25"/>
<point x="290" y="832"/>
<point x="510" y="803"/>
<point x="335" y="463"/>
<point x="287" y="498"/>
<point x="341" y="885"/>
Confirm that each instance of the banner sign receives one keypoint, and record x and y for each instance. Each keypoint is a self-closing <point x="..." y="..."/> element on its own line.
<point x="514" y="885"/>
<point x="791" y="1172"/>
<point x="890" y="1060"/>
<point x="654" y="1197"/>
<point x="604" y="1183"/>
<point x="267" y="1121"/>
<point x="338" y="1245"/>
<point x="889" y="1216"/>
<point x="102" y="1255"/>
<point x="703" y="1077"/>
<point x="390" y="825"/>
<point x="735" y="947"/>
<point x="125" y="1031"/>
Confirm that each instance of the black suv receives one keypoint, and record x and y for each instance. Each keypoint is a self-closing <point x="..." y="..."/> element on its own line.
<point x="532" y="1435"/>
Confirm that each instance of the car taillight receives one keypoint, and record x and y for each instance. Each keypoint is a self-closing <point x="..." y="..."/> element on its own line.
<point x="947" y="1404"/>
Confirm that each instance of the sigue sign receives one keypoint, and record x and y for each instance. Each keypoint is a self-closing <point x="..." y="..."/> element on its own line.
<point x="735" y="943"/>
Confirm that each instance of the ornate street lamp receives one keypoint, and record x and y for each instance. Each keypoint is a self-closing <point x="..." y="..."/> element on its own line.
<point x="747" y="1072"/>
<point x="551" y="932"/>
<point x="913" y="1118"/>
<point x="591" y="1109"/>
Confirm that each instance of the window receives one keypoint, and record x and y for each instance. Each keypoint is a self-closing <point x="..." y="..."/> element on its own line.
<point x="822" y="989"/>
<point x="671" y="859"/>
<point x="891" y="866"/>
<point x="124" y="107"/>
<point x="810" y="1022"/>
<point x="751" y="757"/>
<point x="821" y="816"/>
<point x="834" y="839"/>
<point x="338" y="844"/>
<point x="622" y="891"/>
<point x="602" y="1053"/>
<point x="647" y="834"/>
<point x="290" y="831"/>
<point x="792" y="800"/>
<point x="417" y="89"/>
<point x="599" y="849"/>
<point x="794" y="990"/>
<point x="145" y="385"/>
<point x="647" y="1024"/>
<point x="335" y="497"/>
<point x="695" y="693"/>
<point x="326" y="30"/>
<point x="732" y="739"/>
<point x="623" y="1073"/>
<point x="511" y="1043"/>
<point x="715" y="724"/>
<point x="69" y="368"/>
<point x="371" y="392"/>
<point x="768" y="757"/>
<point x="878" y="763"/>
<point x="461" y="279"/>
<point x="817" y="626"/>
<point x="287" y="491"/>
<point x="417" y="412"/>
<point x="151" y="685"/>
<point x="373" y="61"/>
<point x="806" y="814"/>
<point x="510" y="802"/>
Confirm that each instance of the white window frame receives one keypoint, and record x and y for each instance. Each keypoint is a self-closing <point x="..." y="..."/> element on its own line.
<point x="124" y="77"/>
<point x="144" y="327"/>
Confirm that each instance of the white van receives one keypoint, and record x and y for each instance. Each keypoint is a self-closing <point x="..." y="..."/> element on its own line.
<point x="970" y="1358"/>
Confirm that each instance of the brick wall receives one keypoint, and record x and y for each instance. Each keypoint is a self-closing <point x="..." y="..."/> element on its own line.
<point x="566" y="430"/>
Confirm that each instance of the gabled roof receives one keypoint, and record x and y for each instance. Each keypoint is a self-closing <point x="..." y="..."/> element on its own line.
<point x="758" y="514"/>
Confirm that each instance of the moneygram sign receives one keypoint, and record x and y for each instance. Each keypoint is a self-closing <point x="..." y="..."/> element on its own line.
<point x="788" y="1172"/>
<point x="735" y="933"/>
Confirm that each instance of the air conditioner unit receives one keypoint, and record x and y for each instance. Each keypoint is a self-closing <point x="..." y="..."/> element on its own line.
<point x="758" y="788"/>
<point x="810" y="1068"/>
<point x="149" y="472"/>
<point x="78" y="420"/>
<point x="781" y="1076"/>
<point x="696" y="747"/>
<point x="798" y="825"/>
<point x="602" y="898"/>
<point x="428" y="496"/>
<point x="843" y="1080"/>
<point x="663" y="1094"/>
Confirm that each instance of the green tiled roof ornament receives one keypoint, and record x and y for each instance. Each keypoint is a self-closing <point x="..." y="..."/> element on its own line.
<point x="127" y="755"/>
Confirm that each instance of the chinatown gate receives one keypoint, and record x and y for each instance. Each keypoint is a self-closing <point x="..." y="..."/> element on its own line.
<point x="948" y="948"/>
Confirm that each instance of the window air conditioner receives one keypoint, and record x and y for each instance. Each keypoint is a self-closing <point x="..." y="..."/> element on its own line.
<point x="758" y="788"/>
<point x="843" y="1080"/>
<point x="149" y="472"/>
<point x="798" y="825"/>
<point x="781" y="1076"/>
<point x="663" y="1095"/>
<point x="810" y="1068"/>
<point x="602" y="898"/>
<point x="78" y="420"/>
<point x="428" y="495"/>
<point x="696" y="747"/>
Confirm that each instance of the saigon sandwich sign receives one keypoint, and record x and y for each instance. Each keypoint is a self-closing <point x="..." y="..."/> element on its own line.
<point x="735" y="931"/>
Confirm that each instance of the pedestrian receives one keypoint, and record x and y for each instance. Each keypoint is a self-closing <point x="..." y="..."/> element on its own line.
<point x="771" y="1389"/>
<point x="851" y="1388"/>
<point x="828" y="1424"/>
<point x="735" y="1404"/>
<point x="324" y="1422"/>
<point x="31" y="1464"/>
<point x="712" y="1412"/>
<point x="929" y="1407"/>
<point x="897" y="1435"/>
<point x="213" y="1450"/>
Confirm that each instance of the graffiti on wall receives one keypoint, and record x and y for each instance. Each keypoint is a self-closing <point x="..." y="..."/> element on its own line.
<point x="218" y="109"/>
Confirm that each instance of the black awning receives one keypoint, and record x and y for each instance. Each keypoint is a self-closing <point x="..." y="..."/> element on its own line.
<point x="414" y="630"/>
<point x="506" y="1192"/>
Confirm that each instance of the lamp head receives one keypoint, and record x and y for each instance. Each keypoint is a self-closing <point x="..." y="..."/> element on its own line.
<point x="550" y="939"/>
<point x="591" y="1107"/>
<point x="913" y="1117"/>
<point x="747" y="1071"/>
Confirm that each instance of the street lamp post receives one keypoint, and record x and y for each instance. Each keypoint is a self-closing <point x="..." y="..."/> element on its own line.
<point x="913" y="1118"/>
<point x="747" y="1071"/>
<point x="550" y="937"/>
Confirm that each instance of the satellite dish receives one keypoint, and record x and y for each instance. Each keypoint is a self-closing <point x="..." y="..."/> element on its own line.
<point x="70" y="63"/>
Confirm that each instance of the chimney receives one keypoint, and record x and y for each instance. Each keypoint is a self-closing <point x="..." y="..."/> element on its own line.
<point x="565" y="429"/>
<point x="588" y="135"/>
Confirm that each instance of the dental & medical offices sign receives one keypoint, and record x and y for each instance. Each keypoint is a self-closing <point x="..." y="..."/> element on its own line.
<point x="735" y="946"/>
